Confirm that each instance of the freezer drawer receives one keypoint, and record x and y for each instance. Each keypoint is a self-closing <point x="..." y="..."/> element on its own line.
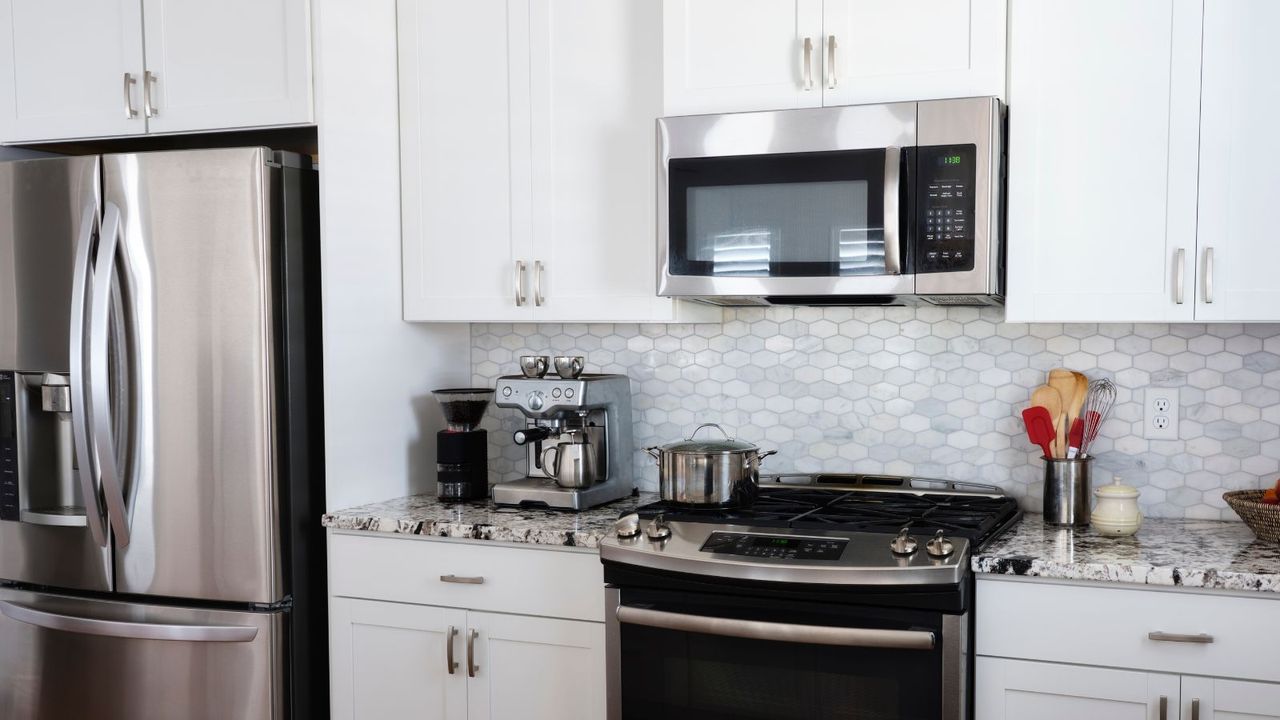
<point x="63" y="657"/>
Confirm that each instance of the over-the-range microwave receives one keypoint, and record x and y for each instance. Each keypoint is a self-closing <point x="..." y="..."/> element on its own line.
<point x="890" y="204"/>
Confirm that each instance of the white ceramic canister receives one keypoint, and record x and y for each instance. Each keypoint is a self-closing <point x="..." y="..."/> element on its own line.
<point x="1117" y="510"/>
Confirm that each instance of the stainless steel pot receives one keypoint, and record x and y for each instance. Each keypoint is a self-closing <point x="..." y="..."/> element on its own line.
<point x="723" y="472"/>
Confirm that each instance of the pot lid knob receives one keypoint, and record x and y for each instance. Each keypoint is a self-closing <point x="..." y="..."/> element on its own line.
<point x="657" y="530"/>
<point x="940" y="546"/>
<point x="627" y="526"/>
<point x="903" y="544"/>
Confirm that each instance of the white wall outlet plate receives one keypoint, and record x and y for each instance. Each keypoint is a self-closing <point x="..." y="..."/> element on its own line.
<point x="1160" y="413"/>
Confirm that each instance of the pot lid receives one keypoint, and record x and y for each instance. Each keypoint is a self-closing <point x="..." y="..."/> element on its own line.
<point x="693" y="445"/>
<point x="1116" y="490"/>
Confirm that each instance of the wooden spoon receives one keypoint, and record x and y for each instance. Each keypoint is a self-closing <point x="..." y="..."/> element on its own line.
<point x="1064" y="381"/>
<point x="1050" y="399"/>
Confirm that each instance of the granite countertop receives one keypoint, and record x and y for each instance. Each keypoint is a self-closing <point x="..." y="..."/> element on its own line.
<point x="426" y="515"/>
<point x="1182" y="553"/>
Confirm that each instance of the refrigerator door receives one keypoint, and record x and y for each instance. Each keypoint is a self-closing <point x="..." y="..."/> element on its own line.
<point x="199" y="512"/>
<point x="52" y="526"/>
<point x="63" y="657"/>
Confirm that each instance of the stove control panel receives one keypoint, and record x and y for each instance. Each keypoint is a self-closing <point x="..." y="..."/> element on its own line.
<point x="781" y="547"/>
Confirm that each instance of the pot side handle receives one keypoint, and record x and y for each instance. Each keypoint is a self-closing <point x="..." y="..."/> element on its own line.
<point x="654" y="452"/>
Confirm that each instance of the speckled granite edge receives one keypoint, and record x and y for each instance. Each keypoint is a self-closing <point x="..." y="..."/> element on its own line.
<point x="1165" y="552"/>
<point x="426" y="515"/>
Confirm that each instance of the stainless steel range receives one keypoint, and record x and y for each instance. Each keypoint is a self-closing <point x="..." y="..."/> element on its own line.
<point x="832" y="596"/>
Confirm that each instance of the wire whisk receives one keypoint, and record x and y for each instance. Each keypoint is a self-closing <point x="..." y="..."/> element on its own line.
<point x="1097" y="405"/>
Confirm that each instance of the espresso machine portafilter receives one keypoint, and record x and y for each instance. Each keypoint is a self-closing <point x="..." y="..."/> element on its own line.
<point x="578" y="439"/>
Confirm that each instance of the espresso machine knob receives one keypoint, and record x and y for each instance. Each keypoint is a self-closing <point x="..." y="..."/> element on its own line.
<point x="536" y="400"/>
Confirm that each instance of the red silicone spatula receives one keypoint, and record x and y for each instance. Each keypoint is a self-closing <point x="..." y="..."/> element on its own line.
<point x="1075" y="438"/>
<point x="1039" y="427"/>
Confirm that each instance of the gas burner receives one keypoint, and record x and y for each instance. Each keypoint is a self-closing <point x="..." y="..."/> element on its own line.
<point x="864" y="503"/>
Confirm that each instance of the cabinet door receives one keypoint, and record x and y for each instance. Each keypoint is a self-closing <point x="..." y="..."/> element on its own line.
<point x="1217" y="699"/>
<point x="740" y="55"/>
<point x="1017" y="690"/>
<point x="228" y="64"/>
<point x="1238" y="238"/>
<point x="464" y="147"/>
<point x="390" y="660"/>
<point x="1102" y="160"/>
<point x="532" y="668"/>
<point x="889" y="50"/>
<point x="70" y="69"/>
<point x="596" y="92"/>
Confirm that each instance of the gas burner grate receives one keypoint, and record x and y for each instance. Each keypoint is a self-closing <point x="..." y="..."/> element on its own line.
<point x="976" y="517"/>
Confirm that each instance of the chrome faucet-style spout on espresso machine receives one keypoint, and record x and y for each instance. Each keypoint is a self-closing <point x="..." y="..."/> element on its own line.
<point x="578" y="440"/>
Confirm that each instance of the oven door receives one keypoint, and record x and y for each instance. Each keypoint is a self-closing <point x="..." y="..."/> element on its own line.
<point x="788" y="203"/>
<point x="720" y="657"/>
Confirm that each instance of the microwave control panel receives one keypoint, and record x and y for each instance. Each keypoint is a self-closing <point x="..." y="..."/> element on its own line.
<point x="8" y="446"/>
<point x="944" y="213"/>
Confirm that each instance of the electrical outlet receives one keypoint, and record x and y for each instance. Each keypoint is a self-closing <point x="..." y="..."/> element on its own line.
<point x="1160" y="414"/>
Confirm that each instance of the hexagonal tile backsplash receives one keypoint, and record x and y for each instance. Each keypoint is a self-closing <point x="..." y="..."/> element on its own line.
<point x="927" y="391"/>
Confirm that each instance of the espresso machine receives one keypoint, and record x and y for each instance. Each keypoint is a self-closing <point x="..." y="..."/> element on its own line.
<point x="578" y="439"/>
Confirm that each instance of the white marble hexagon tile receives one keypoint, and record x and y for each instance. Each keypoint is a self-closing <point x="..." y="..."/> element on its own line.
<point x="928" y="391"/>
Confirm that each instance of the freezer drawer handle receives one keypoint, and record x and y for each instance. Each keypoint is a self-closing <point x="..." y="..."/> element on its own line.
<point x="118" y="629"/>
<point x="779" y="632"/>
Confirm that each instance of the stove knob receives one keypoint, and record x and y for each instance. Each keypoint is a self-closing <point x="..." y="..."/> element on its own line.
<point x="657" y="529"/>
<point x="627" y="526"/>
<point x="904" y="544"/>
<point x="940" y="546"/>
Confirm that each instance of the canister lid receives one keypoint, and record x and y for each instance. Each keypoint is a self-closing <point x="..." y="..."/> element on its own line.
<point x="1116" y="490"/>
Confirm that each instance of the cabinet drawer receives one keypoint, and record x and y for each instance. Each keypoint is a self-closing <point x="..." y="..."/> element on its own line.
<point x="1112" y="625"/>
<point x="528" y="581"/>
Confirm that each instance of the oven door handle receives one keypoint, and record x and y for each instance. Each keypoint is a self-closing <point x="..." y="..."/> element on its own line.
<point x="779" y="632"/>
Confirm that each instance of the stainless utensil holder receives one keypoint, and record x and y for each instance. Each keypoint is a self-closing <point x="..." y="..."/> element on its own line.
<point x="1067" y="491"/>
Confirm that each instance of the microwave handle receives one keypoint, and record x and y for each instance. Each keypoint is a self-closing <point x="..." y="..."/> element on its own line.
<point x="892" y="210"/>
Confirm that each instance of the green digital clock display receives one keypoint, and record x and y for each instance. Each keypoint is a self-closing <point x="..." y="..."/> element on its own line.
<point x="950" y="160"/>
<point x="776" y="542"/>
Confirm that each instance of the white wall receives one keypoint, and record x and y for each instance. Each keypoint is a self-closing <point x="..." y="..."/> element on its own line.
<point x="380" y="418"/>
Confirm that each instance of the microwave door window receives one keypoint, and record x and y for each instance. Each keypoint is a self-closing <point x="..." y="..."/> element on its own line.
<point x="766" y="216"/>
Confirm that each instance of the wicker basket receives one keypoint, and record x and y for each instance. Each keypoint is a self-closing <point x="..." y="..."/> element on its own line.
<point x="1262" y="519"/>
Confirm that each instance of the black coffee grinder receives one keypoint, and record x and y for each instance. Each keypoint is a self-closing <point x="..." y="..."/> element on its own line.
<point x="462" y="450"/>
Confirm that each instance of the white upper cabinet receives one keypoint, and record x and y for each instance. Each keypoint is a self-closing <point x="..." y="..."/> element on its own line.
<point x="1103" y="100"/>
<point x="464" y="160"/>
<point x="227" y="64"/>
<point x="109" y="68"/>
<point x="1239" y="243"/>
<point x="529" y="180"/>
<point x="740" y="55"/>
<point x="743" y="55"/>
<point x="70" y="69"/>
<point x="890" y="50"/>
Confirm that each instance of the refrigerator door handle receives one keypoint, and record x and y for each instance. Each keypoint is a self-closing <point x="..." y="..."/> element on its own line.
<point x="80" y="410"/>
<point x="99" y="386"/>
<point x="120" y="629"/>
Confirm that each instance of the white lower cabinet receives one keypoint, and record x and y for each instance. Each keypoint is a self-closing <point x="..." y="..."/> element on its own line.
<point x="1123" y="653"/>
<point x="407" y="639"/>
<point x="1017" y="690"/>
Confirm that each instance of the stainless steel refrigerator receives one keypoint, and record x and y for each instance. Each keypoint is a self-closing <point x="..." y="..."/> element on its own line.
<point x="160" y="479"/>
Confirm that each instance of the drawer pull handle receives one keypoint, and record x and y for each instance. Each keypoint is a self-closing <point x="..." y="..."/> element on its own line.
<point x="463" y="579"/>
<point x="1200" y="639"/>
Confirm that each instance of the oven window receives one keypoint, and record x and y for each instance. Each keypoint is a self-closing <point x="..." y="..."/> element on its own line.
<point x="679" y="673"/>
<point x="790" y="215"/>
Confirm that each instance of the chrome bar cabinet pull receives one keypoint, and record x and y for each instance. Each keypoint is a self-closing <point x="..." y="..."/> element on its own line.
<point x="1198" y="639"/>
<point x="148" y="81"/>
<point x="831" y="62"/>
<point x="1180" y="261"/>
<point x="463" y="579"/>
<point x="471" y="653"/>
<point x="520" y="298"/>
<point x="1208" y="276"/>
<point x="129" y="82"/>
<point x="807" y="64"/>
<point x="1195" y="709"/>
<point x="537" y="283"/>
<point x="449" y="663"/>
